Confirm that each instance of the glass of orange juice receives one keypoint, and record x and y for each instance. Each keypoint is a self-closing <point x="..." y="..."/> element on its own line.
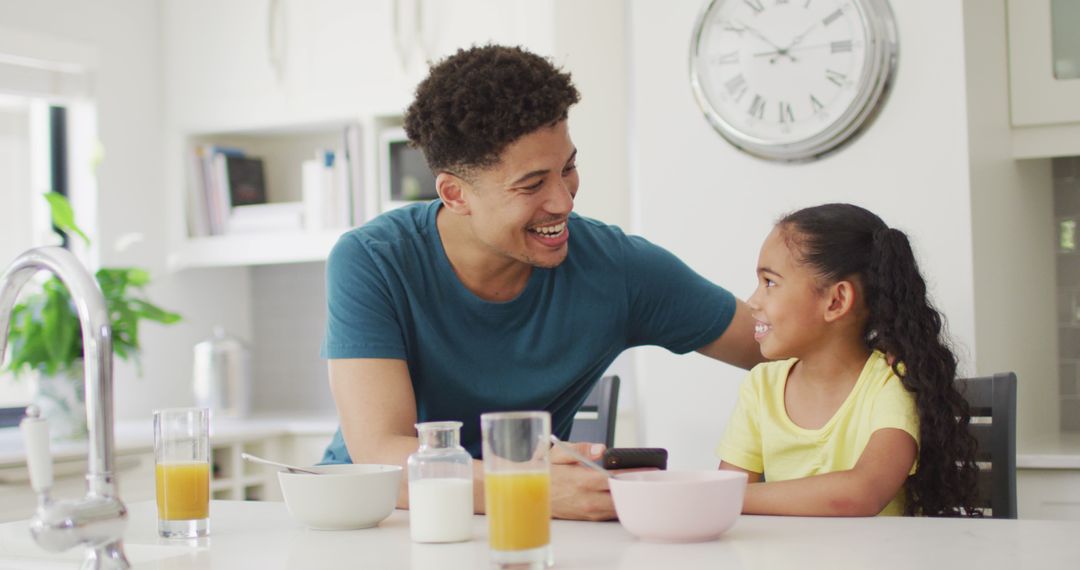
<point x="182" y="471"/>
<point x="517" y="488"/>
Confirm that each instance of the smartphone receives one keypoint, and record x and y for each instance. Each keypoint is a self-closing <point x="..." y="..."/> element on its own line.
<point x="634" y="457"/>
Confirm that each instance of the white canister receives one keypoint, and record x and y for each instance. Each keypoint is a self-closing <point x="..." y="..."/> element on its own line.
<point x="222" y="375"/>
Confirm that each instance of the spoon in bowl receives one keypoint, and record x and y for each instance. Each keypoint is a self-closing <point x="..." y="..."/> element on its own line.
<point x="569" y="449"/>
<point x="290" y="468"/>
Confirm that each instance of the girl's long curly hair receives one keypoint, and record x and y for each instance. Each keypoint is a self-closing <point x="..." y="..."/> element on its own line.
<point x="843" y="241"/>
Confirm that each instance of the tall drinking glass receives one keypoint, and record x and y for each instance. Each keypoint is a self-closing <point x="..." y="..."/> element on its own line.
<point x="182" y="471"/>
<point x="517" y="483"/>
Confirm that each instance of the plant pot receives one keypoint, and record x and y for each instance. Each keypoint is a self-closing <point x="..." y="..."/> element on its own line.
<point x="61" y="398"/>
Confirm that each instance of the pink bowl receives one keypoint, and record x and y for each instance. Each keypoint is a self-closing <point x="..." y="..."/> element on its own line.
<point x="678" y="506"/>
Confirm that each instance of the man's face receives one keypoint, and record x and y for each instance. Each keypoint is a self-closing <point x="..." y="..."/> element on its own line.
<point x="519" y="207"/>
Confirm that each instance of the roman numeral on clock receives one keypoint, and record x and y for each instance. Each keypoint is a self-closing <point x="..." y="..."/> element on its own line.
<point x="835" y="76"/>
<point x="757" y="107"/>
<point x="786" y="114"/>
<point x="840" y="46"/>
<point x="726" y="58"/>
<point x="736" y="86"/>
<point x="833" y="17"/>
<point x="756" y="5"/>
<point x="816" y="105"/>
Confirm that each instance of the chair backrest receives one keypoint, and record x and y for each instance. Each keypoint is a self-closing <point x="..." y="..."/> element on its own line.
<point x="595" y="419"/>
<point x="993" y="423"/>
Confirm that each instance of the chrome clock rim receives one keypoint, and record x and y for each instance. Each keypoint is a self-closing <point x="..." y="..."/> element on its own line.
<point x="875" y="85"/>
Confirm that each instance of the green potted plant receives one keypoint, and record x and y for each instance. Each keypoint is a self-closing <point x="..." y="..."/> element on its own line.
<point x="45" y="337"/>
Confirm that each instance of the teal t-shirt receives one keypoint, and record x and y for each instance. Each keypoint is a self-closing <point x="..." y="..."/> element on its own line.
<point x="391" y="293"/>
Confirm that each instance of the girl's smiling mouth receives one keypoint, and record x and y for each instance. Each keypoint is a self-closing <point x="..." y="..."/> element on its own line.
<point x="761" y="329"/>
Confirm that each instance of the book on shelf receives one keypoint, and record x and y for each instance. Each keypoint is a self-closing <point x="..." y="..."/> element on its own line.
<point x="209" y="189"/>
<point x="198" y="211"/>
<point x="224" y="181"/>
<point x="245" y="179"/>
<point x="326" y="191"/>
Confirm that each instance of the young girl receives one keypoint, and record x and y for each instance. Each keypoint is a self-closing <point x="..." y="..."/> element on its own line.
<point x="862" y="417"/>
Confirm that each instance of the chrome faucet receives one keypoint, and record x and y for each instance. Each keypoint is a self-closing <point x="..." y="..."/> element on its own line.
<point x="97" y="520"/>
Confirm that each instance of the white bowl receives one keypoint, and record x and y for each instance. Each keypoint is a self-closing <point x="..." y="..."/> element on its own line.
<point x="678" y="506"/>
<point x="343" y="496"/>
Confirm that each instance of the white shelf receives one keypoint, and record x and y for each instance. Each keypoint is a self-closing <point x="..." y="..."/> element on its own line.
<point x="254" y="249"/>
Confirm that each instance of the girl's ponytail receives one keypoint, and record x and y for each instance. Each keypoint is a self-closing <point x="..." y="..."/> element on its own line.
<point x="843" y="241"/>
<point x="904" y="325"/>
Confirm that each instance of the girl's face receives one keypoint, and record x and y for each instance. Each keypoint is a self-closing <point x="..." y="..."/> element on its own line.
<point x="788" y="306"/>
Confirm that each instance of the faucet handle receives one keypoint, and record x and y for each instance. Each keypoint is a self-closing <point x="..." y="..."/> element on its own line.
<point x="35" y="431"/>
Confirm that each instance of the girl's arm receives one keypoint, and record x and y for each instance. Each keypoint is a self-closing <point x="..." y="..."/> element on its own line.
<point x="863" y="490"/>
<point x="751" y="476"/>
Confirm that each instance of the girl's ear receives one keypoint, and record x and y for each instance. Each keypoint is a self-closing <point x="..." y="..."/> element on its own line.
<point x="451" y="190"/>
<point x="841" y="300"/>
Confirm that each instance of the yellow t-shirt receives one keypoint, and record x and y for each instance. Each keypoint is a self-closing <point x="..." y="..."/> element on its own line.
<point x="762" y="438"/>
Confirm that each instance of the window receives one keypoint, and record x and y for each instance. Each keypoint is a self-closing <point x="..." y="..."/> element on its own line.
<point x="46" y="117"/>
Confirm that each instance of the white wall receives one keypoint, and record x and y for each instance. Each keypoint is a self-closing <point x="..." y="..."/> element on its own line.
<point x="590" y="43"/>
<point x="713" y="205"/>
<point x="1013" y="229"/>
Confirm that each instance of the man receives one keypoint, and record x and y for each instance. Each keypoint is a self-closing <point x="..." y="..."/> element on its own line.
<point x="478" y="302"/>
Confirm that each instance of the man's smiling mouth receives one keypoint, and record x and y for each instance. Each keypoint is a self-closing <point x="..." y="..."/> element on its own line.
<point x="551" y="231"/>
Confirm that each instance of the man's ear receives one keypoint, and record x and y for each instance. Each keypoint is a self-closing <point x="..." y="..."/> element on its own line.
<point x="451" y="191"/>
<point x="840" y="297"/>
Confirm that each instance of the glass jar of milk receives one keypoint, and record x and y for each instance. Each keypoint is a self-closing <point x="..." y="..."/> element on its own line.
<point x="440" y="485"/>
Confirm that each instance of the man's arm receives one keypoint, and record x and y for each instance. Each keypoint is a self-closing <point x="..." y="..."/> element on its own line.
<point x="737" y="345"/>
<point x="863" y="490"/>
<point x="377" y="409"/>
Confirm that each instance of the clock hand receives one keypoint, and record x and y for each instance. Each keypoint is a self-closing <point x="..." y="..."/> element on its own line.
<point x="761" y="36"/>
<point x="779" y="50"/>
<point x="799" y="38"/>
<point x="812" y="46"/>
<point x="732" y="27"/>
<point x="775" y="54"/>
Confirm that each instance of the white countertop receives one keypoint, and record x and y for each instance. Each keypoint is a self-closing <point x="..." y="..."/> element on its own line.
<point x="135" y="436"/>
<point x="263" y="535"/>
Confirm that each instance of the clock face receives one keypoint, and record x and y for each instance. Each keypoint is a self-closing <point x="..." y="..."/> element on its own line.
<point x="791" y="79"/>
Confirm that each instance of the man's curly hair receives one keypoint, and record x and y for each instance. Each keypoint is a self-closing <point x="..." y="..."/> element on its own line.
<point x="478" y="101"/>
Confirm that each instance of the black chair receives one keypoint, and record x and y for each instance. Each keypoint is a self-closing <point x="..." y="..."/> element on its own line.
<point x="595" y="419"/>
<point x="993" y="423"/>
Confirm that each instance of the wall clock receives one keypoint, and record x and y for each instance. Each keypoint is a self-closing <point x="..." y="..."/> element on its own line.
<point x="792" y="80"/>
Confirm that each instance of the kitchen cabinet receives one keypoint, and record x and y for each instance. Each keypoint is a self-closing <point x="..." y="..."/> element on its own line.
<point x="234" y="478"/>
<point x="292" y="439"/>
<point x="446" y="27"/>
<point x="249" y="64"/>
<point x="1052" y="494"/>
<point x="303" y="449"/>
<point x="1044" y="77"/>
<point x="260" y="63"/>
<point x="134" y="472"/>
